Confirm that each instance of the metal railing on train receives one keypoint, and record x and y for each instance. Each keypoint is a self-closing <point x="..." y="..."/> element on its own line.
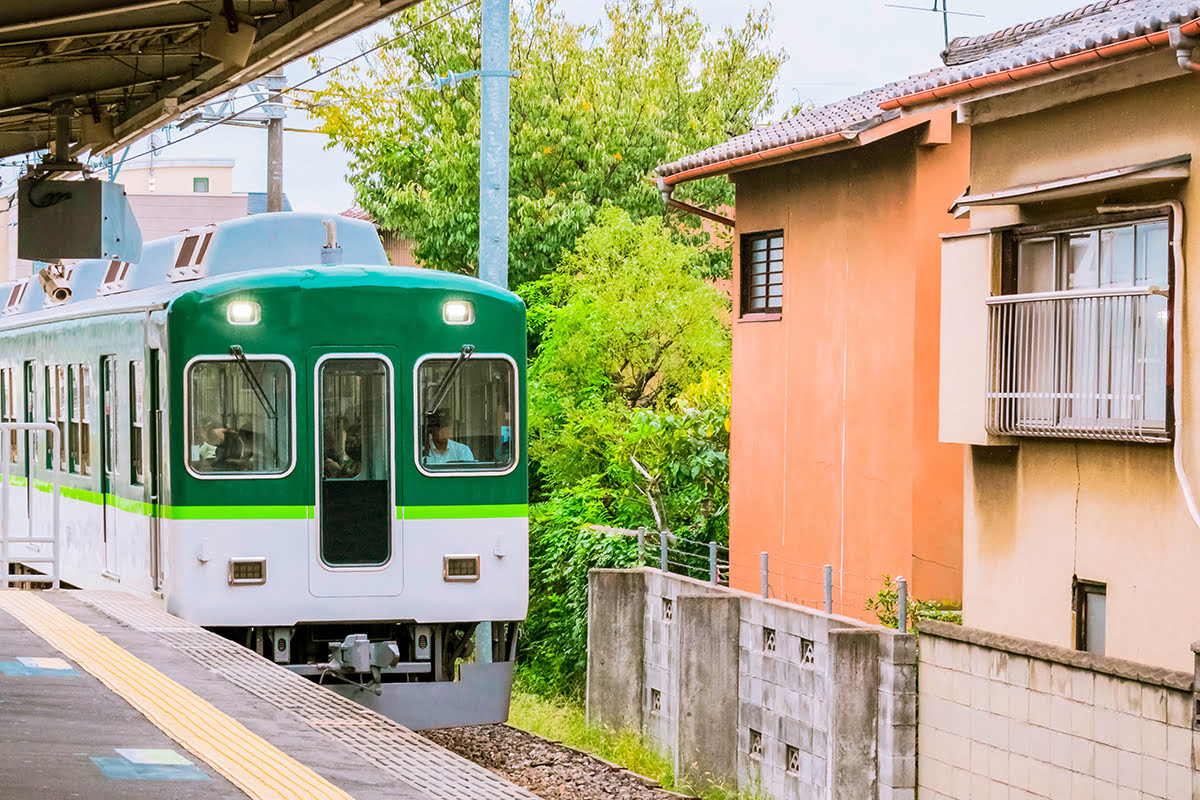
<point x="1088" y="364"/>
<point x="815" y="586"/>
<point x="35" y="555"/>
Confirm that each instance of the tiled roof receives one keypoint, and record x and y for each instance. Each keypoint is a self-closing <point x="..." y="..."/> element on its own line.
<point x="357" y="212"/>
<point x="1085" y="28"/>
<point x="858" y="112"/>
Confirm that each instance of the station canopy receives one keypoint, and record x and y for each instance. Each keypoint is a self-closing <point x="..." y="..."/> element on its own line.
<point x="119" y="69"/>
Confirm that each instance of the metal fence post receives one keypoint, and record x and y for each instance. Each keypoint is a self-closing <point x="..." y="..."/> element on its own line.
<point x="828" y="588"/>
<point x="662" y="550"/>
<point x="901" y="604"/>
<point x="641" y="545"/>
<point x="712" y="563"/>
<point x="765" y="586"/>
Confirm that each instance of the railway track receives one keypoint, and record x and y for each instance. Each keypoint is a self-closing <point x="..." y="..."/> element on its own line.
<point x="549" y="769"/>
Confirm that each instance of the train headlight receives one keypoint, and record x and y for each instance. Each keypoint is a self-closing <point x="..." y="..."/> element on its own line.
<point x="243" y="312"/>
<point x="458" y="312"/>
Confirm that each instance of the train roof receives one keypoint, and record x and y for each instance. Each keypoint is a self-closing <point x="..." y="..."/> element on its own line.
<point x="202" y="256"/>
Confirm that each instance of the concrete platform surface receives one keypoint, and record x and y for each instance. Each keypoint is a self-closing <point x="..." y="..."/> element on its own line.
<point x="66" y="732"/>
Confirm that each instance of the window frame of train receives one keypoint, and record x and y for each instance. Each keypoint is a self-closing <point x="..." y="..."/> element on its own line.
<point x="8" y="413"/>
<point x="137" y="421"/>
<point x="290" y="421"/>
<point x="79" y="421"/>
<point x="328" y="542"/>
<point x="56" y="406"/>
<point x="486" y="468"/>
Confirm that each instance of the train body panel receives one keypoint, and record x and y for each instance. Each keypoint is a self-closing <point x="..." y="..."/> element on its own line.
<point x="202" y="549"/>
<point x="280" y="449"/>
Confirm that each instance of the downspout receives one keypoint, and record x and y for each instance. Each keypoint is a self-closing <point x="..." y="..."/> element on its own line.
<point x="667" y="189"/>
<point x="1177" y="332"/>
<point x="1184" y="45"/>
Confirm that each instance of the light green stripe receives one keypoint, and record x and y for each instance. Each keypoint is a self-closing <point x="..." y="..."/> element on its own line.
<point x="510" y="511"/>
<point x="237" y="512"/>
<point x="16" y="480"/>
<point x="463" y="512"/>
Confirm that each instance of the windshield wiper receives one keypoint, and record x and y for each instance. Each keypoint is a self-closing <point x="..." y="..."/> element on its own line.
<point x="240" y="356"/>
<point x="467" y="351"/>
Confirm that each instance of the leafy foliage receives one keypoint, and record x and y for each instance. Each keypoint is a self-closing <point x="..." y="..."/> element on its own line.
<point x="594" y="111"/>
<point x="886" y="604"/>
<point x="629" y="422"/>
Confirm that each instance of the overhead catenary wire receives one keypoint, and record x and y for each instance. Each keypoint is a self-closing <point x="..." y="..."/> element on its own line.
<point x="322" y="73"/>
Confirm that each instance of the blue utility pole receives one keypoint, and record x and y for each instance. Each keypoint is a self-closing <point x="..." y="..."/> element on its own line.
<point x="493" y="143"/>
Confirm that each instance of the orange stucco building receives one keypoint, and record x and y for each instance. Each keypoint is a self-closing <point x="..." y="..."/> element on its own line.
<point x="835" y="457"/>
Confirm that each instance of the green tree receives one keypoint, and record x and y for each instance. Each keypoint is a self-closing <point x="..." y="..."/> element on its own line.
<point x="626" y="324"/>
<point x="594" y="111"/>
<point x="629" y="421"/>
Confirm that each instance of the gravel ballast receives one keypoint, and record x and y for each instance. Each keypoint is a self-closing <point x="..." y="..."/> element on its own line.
<point x="548" y="769"/>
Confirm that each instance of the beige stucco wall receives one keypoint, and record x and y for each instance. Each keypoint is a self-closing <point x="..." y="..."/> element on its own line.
<point x="174" y="176"/>
<point x="1043" y="511"/>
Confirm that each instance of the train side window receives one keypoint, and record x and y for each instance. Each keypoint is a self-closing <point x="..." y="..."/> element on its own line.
<point x="56" y="413"/>
<point x="239" y="416"/>
<point x="137" y="421"/>
<point x="78" y="420"/>
<point x="466" y="417"/>
<point x="8" y="413"/>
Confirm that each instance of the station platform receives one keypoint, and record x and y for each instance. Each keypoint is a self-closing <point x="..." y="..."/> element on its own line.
<point x="105" y="696"/>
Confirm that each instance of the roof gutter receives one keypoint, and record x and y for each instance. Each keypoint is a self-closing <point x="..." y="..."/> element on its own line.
<point x="666" y="189"/>
<point x="729" y="164"/>
<point x="1149" y="41"/>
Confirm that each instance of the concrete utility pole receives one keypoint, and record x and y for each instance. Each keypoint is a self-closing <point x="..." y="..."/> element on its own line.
<point x="274" y="111"/>
<point x="493" y="143"/>
<point x="494" y="39"/>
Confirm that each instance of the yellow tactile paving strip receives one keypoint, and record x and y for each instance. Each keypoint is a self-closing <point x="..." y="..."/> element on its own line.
<point x="247" y="760"/>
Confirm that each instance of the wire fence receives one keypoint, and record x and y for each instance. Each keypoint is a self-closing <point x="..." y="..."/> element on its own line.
<point x="816" y="586"/>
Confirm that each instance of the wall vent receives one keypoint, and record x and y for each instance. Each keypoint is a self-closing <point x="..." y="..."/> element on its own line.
<point x="17" y="296"/>
<point x="189" y="258"/>
<point x="116" y="278"/>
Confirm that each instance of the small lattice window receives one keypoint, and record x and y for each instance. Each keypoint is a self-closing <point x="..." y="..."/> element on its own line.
<point x="756" y="745"/>
<point x="668" y="609"/>
<point x="808" y="653"/>
<point x="762" y="273"/>
<point x="655" y="701"/>
<point x="768" y="640"/>
<point x="793" y="759"/>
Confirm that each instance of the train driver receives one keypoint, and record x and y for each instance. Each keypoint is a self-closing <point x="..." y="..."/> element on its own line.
<point x="338" y="461"/>
<point x="442" y="449"/>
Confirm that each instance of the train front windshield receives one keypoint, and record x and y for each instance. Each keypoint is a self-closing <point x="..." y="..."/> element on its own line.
<point x="466" y="414"/>
<point x="239" y="416"/>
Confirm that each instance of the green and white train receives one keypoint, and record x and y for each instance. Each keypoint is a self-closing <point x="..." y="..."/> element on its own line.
<point x="279" y="436"/>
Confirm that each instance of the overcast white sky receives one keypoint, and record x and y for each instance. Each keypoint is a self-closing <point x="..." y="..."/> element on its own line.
<point x="835" y="48"/>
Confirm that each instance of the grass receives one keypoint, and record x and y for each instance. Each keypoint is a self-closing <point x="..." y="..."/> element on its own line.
<point x="563" y="720"/>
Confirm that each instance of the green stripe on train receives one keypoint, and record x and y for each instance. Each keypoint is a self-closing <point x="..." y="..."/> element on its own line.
<point x="463" y="512"/>
<point x="238" y="512"/>
<point x="507" y="511"/>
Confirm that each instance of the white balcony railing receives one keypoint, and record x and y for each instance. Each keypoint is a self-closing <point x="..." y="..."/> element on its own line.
<point x="1080" y="364"/>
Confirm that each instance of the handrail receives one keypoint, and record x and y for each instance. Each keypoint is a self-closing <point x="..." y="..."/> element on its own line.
<point x="55" y="539"/>
<point x="1082" y="365"/>
<point x="1069" y="294"/>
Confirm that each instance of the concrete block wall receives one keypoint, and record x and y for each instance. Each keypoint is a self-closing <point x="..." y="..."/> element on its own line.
<point x="1006" y="717"/>
<point x="798" y="680"/>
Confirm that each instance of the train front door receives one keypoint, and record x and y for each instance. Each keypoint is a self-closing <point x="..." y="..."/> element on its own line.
<point x="108" y="460"/>
<point x="356" y="547"/>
